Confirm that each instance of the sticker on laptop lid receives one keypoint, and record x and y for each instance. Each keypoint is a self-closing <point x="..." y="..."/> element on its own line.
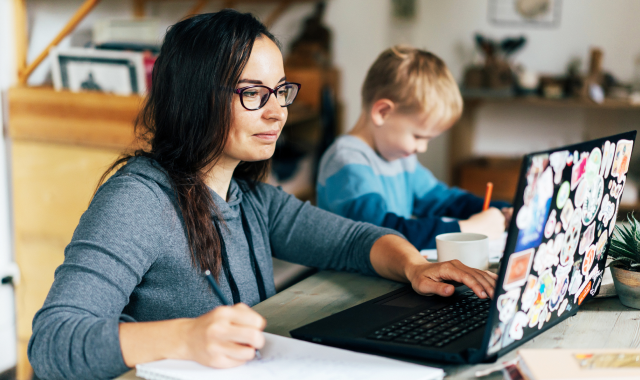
<point x="581" y="194"/>
<point x="558" y="161"/>
<point x="606" y="211"/>
<point x="507" y="304"/>
<point x="602" y="243"/>
<point x="587" y="238"/>
<point x="607" y="158"/>
<point x="584" y="293"/>
<point x="621" y="159"/>
<point x="516" y="327"/>
<point x="578" y="170"/>
<point x="518" y="268"/>
<point x="559" y="290"/>
<point x="565" y="215"/>
<point x="572" y="237"/>
<point x="532" y="217"/>
<point x="576" y="277"/>
<point x="563" y="195"/>
<point x="588" y="259"/>
<point x="594" y="194"/>
<point x="530" y="293"/>
<point x="551" y="225"/>
<point x="495" y="342"/>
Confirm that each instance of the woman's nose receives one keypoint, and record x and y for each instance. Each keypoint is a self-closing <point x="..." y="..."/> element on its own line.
<point x="273" y="110"/>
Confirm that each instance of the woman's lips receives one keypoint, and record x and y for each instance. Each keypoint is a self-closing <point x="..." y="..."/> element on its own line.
<point x="267" y="136"/>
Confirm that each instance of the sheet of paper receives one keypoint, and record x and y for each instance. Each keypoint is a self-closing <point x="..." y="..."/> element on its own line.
<point x="287" y="358"/>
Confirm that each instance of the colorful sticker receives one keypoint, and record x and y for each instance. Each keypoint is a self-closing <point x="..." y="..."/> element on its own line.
<point x="518" y="268"/>
<point x="587" y="238"/>
<point x="581" y="193"/>
<point x="592" y="200"/>
<point x="584" y="293"/>
<point x="565" y="215"/>
<point x="543" y="317"/>
<point x="621" y="159"/>
<point x="562" y="307"/>
<point x="496" y="338"/>
<point x="507" y="304"/>
<point x="579" y="167"/>
<point x="558" y="228"/>
<point x="607" y="159"/>
<point x="551" y="225"/>
<point x="558" y="161"/>
<point x="559" y="290"/>
<point x="602" y="242"/>
<point x="612" y="225"/>
<point x="546" y="282"/>
<point x="530" y="293"/>
<point x="516" y="329"/>
<point x="576" y="278"/>
<point x="563" y="195"/>
<point x="592" y="169"/>
<point x="616" y="189"/>
<point x="532" y="216"/>
<point x="571" y="237"/>
<point x="588" y="259"/>
<point x="594" y="290"/>
<point x="546" y="257"/>
<point x="534" y="312"/>
<point x="606" y="211"/>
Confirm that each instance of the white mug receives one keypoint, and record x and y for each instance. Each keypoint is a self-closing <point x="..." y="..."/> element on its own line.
<point x="471" y="249"/>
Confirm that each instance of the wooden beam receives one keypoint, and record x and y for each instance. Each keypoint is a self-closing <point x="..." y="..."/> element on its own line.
<point x="197" y="9"/>
<point x="228" y="4"/>
<point x="80" y="14"/>
<point x="280" y="8"/>
<point x="22" y="43"/>
<point x="139" y="8"/>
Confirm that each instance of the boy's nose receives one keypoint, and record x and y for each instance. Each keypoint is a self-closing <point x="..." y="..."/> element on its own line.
<point x="422" y="146"/>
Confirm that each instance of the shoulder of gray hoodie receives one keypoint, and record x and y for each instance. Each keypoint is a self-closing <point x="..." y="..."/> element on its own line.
<point x="129" y="261"/>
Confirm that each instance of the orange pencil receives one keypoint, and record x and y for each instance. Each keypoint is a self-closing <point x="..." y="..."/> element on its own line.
<point x="487" y="196"/>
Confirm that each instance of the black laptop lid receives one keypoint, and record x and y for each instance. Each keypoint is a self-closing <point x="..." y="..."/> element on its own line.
<point x="564" y="217"/>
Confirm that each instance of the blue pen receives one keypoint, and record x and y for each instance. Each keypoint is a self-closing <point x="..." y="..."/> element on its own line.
<point x="224" y="299"/>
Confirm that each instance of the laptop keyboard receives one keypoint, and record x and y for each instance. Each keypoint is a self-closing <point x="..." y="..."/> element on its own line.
<point x="437" y="328"/>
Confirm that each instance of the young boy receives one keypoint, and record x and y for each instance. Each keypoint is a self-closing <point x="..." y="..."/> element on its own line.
<point x="373" y="175"/>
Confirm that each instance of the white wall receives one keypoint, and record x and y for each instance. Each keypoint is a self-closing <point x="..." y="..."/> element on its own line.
<point x="7" y="304"/>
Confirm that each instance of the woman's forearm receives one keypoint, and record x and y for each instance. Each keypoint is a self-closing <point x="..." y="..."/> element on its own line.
<point x="392" y="257"/>
<point x="143" y="342"/>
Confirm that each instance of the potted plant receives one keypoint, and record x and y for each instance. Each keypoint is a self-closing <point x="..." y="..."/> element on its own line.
<point x="625" y="266"/>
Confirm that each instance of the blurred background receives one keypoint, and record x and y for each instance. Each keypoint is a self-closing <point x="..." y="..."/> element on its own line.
<point x="535" y="74"/>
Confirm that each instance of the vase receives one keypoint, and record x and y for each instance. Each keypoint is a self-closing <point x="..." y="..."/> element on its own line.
<point x="627" y="285"/>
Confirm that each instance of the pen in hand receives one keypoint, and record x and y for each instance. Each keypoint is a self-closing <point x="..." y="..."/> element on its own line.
<point x="224" y="299"/>
<point x="487" y="196"/>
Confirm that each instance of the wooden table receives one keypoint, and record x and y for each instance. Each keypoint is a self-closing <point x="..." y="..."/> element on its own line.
<point x="600" y="323"/>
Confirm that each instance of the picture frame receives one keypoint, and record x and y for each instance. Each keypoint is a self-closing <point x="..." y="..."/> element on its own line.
<point x="86" y="69"/>
<point x="534" y="13"/>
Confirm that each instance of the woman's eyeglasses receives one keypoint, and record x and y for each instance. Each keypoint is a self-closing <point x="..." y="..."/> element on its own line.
<point x="255" y="97"/>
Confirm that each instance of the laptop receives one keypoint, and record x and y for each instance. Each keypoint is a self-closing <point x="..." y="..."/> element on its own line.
<point x="558" y="239"/>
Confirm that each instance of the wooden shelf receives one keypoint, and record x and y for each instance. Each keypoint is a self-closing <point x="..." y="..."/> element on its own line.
<point x="562" y="103"/>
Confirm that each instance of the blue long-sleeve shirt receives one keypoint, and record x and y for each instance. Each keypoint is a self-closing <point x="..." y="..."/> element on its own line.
<point x="355" y="182"/>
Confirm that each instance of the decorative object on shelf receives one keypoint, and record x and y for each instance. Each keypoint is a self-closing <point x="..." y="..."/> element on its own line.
<point x="539" y="13"/>
<point x="593" y="82"/>
<point x="625" y="266"/>
<point x="125" y="34"/>
<point x="313" y="47"/>
<point x="496" y="73"/>
<point x="117" y="72"/>
<point x="404" y="9"/>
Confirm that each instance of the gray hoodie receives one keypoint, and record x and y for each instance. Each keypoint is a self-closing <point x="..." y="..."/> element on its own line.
<point x="129" y="260"/>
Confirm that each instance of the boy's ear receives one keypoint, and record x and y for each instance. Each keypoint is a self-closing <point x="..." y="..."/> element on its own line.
<point x="380" y="111"/>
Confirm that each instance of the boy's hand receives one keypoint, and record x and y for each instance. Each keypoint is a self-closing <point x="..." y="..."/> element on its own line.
<point x="428" y="278"/>
<point x="490" y="222"/>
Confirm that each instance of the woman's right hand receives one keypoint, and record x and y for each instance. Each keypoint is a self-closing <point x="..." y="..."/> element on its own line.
<point x="225" y="337"/>
<point x="490" y="222"/>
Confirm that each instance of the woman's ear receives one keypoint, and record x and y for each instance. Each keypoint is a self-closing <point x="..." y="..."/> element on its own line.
<point x="380" y="111"/>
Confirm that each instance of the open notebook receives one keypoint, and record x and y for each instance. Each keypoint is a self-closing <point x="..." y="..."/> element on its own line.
<point x="286" y="358"/>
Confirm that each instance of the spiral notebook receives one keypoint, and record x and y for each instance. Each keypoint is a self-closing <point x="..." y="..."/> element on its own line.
<point x="286" y="358"/>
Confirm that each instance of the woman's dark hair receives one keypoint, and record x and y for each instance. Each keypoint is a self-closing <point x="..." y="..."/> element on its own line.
<point x="187" y="117"/>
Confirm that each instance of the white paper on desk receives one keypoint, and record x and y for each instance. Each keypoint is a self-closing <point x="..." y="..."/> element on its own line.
<point x="287" y="358"/>
<point x="496" y="250"/>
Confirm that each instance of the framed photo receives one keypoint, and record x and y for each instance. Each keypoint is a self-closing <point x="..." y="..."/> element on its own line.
<point x="116" y="72"/>
<point x="537" y="13"/>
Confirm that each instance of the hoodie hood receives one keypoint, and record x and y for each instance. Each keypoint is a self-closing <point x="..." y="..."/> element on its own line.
<point x="151" y="170"/>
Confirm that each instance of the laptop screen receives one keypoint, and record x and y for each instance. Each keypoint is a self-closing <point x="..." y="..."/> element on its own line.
<point x="564" y="217"/>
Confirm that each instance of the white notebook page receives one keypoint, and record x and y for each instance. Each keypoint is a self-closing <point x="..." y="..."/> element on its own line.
<point x="287" y="358"/>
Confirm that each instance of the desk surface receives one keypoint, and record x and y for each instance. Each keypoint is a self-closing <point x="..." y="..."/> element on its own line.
<point x="600" y="323"/>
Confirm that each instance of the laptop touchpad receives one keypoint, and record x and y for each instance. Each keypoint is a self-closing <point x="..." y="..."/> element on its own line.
<point x="409" y="300"/>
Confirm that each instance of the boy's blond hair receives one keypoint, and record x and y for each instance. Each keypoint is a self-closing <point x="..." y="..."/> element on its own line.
<point x="416" y="81"/>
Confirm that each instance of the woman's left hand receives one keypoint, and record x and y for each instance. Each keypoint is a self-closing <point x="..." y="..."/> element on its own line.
<point x="427" y="278"/>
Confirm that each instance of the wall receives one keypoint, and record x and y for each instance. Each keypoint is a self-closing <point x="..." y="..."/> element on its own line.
<point x="7" y="317"/>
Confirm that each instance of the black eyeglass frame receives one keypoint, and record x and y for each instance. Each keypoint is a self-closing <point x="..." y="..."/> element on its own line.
<point x="239" y="91"/>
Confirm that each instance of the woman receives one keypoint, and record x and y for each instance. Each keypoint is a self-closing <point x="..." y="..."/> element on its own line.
<point x="193" y="202"/>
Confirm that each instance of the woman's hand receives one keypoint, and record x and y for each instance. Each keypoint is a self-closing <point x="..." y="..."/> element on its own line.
<point x="427" y="278"/>
<point x="490" y="222"/>
<point x="395" y="258"/>
<point x="508" y="213"/>
<point x="225" y="337"/>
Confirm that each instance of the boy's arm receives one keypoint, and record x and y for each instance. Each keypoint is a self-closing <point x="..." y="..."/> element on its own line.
<point x="355" y="192"/>
<point x="433" y="198"/>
